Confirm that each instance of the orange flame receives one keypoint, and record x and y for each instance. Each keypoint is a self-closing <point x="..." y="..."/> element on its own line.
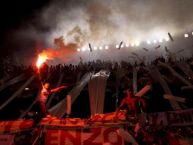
<point x="41" y="59"/>
<point x="62" y="53"/>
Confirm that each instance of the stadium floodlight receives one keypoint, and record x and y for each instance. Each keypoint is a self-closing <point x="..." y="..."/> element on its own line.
<point x="137" y="43"/>
<point x="106" y="47"/>
<point x="160" y="40"/>
<point x="155" y="41"/>
<point x="27" y="89"/>
<point x="78" y="49"/>
<point x="167" y="39"/>
<point x="100" y="47"/>
<point x="186" y="35"/>
<point x="127" y="45"/>
<point x="95" y="48"/>
<point x="117" y="46"/>
<point x="83" y="49"/>
<point x="122" y="45"/>
<point x="192" y="33"/>
<point x="148" y="42"/>
<point x="132" y="44"/>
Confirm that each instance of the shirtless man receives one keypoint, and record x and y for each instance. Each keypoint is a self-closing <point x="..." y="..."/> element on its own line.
<point x="130" y="102"/>
<point x="44" y="93"/>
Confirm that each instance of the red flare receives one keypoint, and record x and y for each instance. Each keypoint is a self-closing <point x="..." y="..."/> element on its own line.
<point x="41" y="59"/>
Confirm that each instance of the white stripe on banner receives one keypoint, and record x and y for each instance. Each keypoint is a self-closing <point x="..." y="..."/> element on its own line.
<point x="97" y="86"/>
<point x="6" y="139"/>
<point x="90" y="136"/>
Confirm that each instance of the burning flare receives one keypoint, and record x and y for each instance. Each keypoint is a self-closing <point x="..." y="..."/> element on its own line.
<point x="62" y="51"/>
<point x="41" y="59"/>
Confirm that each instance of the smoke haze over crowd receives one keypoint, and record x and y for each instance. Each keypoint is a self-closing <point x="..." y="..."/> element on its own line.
<point x="98" y="22"/>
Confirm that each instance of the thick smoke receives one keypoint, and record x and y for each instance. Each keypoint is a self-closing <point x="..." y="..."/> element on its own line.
<point x="112" y="20"/>
<point x="102" y="22"/>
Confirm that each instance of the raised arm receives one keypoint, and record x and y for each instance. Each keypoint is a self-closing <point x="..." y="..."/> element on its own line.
<point x="58" y="89"/>
<point x="122" y="103"/>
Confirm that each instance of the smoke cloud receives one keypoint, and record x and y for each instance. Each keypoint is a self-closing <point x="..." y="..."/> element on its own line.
<point x="102" y="22"/>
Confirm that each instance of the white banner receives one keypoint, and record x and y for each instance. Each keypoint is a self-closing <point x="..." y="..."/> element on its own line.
<point x="90" y="136"/>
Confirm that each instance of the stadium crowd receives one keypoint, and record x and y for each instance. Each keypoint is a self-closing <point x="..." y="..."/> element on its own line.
<point x="178" y="75"/>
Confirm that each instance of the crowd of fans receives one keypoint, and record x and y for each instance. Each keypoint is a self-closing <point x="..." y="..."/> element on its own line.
<point x="121" y="75"/>
<point x="159" y="135"/>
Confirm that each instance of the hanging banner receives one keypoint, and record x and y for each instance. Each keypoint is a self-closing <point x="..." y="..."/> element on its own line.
<point x="90" y="136"/>
<point x="96" y="89"/>
<point x="6" y="139"/>
<point x="172" y="118"/>
<point x="69" y="122"/>
<point x="15" y="126"/>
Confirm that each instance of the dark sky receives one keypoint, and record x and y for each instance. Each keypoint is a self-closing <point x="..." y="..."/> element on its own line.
<point x="27" y="24"/>
<point x="13" y="14"/>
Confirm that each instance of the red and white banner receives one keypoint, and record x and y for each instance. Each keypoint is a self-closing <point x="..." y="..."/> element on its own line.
<point x="15" y="126"/>
<point x="91" y="136"/>
<point x="172" y="118"/>
<point x="6" y="139"/>
<point x="69" y="122"/>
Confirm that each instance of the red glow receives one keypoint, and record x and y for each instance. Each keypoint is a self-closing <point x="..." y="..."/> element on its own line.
<point x="41" y="59"/>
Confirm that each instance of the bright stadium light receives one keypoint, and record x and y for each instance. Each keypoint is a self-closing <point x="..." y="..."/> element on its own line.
<point x="117" y="46"/>
<point x="132" y="44"/>
<point x="186" y="35"/>
<point x="155" y="41"/>
<point x="26" y="89"/>
<point x="148" y="42"/>
<point x="192" y="33"/>
<point x="95" y="48"/>
<point x="106" y="47"/>
<point x="127" y="45"/>
<point x="100" y="47"/>
<point x="78" y="49"/>
<point x="122" y="45"/>
<point x="160" y="40"/>
<point x="137" y="43"/>
<point x="167" y="39"/>
<point x="83" y="49"/>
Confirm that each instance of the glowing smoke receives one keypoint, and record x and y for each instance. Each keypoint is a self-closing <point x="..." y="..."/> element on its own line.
<point x="61" y="50"/>
<point x="112" y="21"/>
<point x="108" y="22"/>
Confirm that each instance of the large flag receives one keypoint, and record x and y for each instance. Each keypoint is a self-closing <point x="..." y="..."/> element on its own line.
<point x="6" y="139"/>
<point x="97" y="86"/>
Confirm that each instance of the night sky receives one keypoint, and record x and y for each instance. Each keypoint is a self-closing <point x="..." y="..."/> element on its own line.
<point x="26" y="25"/>
<point x="13" y="15"/>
